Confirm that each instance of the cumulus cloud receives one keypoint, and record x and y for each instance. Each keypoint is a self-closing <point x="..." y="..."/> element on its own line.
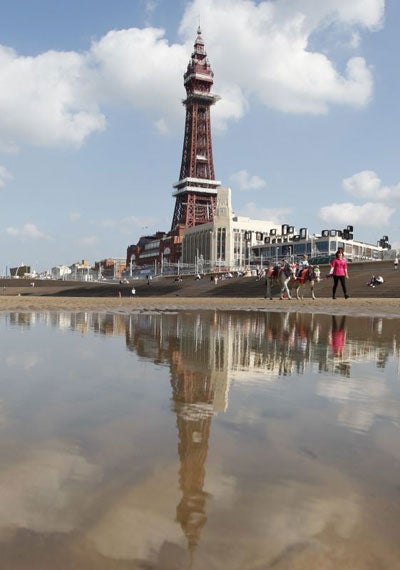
<point x="367" y="185"/>
<point x="4" y="176"/>
<point x="46" y="100"/>
<point x="57" y="98"/>
<point x="27" y="231"/>
<point x="371" y="214"/>
<point x="131" y="65"/>
<point x="379" y="206"/>
<point x="275" y="36"/>
<point x="244" y="181"/>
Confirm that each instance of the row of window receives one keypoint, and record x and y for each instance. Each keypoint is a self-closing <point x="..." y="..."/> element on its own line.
<point x="314" y="248"/>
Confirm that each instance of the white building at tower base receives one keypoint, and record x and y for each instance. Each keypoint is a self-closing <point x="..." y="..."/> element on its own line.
<point x="236" y="243"/>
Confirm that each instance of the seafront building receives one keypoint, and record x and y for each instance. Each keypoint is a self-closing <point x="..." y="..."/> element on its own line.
<point x="319" y="247"/>
<point x="226" y="243"/>
<point x="234" y="243"/>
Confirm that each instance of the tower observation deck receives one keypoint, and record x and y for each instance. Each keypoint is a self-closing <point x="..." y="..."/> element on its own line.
<point x="196" y="191"/>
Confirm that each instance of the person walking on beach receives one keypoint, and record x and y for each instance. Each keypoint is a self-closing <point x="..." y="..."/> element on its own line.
<point x="339" y="272"/>
<point x="396" y="262"/>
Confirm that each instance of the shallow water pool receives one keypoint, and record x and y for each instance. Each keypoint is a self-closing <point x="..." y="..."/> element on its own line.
<point x="195" y="440"/>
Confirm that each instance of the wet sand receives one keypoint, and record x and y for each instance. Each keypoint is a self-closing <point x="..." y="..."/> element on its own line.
<point x="351" y="307"/>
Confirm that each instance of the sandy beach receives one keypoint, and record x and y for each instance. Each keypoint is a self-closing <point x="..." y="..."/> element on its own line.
<point x="351" y="307"/>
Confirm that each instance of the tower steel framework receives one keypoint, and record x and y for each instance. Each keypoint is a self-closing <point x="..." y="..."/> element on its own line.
<point x="196" y="191"/>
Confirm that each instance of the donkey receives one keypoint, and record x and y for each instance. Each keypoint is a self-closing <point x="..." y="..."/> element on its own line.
<point x="309" y="276"/>
<point x="280" y="274"/>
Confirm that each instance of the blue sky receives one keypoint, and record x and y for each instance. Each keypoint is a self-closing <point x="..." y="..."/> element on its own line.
<point x="91" y="120"/>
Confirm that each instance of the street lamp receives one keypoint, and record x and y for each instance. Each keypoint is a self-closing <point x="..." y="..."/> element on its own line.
<point x="211" y="250"/>
<point x="130" y="265"/>
<point x="247" y="237"/>
<point x="196" y="262"/>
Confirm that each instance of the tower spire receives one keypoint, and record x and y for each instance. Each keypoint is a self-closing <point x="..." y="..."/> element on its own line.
<point x="196" y="190"/>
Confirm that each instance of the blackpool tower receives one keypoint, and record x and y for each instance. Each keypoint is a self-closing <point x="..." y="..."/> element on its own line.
<point x="196" y="191"/>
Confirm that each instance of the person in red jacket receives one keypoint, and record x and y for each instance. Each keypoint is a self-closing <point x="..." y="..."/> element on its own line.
<point x="339" y="272"/>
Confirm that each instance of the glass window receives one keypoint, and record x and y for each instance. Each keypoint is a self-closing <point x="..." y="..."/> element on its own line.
<point x="322" y="246"/>
<point x="299" y="248"/>
<point x="221" y="243"/>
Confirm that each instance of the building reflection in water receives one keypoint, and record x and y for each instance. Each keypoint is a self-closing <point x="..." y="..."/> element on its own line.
<point x="273" y="344"/>
<point x="206" y="351"/>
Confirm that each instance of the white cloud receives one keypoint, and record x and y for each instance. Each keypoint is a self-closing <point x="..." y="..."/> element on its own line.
<point x="4" y="176"/>
<point x="355" y="40"/>
<point x="375" y="212"/>
<point x="232" y="106"/>
<point x="244" y="181"/>
<point x="269" y="43"/>
<point x="28" y="231"/>
<point x="46" y="100"/>
<point x="367" y="184"/>
<point x="273" y="216"/>
<point x="150" y="7"/>
<point x="364" y="13"/>
<point x="371" y="214"/>
<point x="131" y="65"/>
<point x="259" y="51"/>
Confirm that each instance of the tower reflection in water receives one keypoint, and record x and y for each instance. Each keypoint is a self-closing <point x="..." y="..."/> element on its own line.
<point x="196" y="352"/>
<point x="206" y="352"/>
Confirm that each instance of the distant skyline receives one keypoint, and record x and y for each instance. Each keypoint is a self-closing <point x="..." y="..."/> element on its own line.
<point x="91" y="118"/>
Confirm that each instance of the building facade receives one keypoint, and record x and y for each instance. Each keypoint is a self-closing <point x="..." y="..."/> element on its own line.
<point x="235" y="243"/>
<point x="110" y="268"/>
<point x="321" y="247"/>
<point x="226" y="243"/>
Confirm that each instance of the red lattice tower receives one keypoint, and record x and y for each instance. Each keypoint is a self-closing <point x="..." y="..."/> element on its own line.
<point x="196" y="191"/>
